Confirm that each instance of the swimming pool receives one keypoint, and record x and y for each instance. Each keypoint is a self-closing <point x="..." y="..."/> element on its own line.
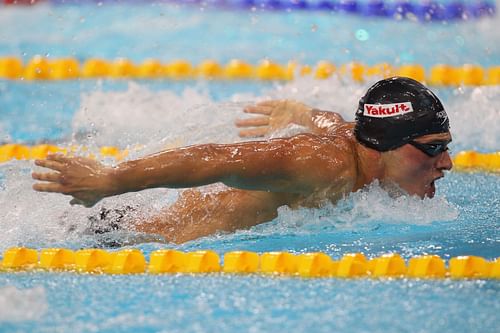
<point x="462" y="220"/>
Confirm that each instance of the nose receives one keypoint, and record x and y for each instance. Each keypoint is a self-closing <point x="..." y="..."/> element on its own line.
<point x="444" y="162"/>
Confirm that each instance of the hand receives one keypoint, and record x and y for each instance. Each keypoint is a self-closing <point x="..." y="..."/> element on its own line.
<point x="274" y="115"/>
<point x="87" y="180"/>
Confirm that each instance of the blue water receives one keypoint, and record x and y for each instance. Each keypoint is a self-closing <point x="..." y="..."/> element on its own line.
<point x="167" y="32"/>
<point x="464" y="218"/>
<point x="257" y="304"/>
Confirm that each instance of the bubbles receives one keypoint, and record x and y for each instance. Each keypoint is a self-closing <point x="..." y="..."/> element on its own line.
<point x="362" y="35"/>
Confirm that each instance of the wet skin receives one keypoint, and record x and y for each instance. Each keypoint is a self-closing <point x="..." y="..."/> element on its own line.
<point x="301" y="171"/>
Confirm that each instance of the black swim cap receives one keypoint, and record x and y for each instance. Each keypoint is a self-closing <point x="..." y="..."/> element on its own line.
<point x="394" y="111"/>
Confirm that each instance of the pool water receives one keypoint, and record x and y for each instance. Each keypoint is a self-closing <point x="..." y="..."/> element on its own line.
<point x="463" y="219"/>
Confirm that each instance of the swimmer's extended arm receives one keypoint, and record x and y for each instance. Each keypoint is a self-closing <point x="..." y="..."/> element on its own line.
<point x="278" y="114"/>
<point x="298" y="165"/>
<point x="279" y="165"/>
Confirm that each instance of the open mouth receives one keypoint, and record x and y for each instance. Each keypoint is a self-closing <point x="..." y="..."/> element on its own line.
<point x="432" y="187"/>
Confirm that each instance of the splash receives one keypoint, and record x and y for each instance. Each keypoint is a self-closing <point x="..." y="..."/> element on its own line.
<point x="367" y="207"/>
<point x="474" y="114"/>
<point x="22" y="304"/>
<point x="54" y="223"/>
<point x="157" y="120"/>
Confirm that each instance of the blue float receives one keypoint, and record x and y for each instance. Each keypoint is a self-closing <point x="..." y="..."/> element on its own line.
<point x="402" y="9"/>
<point x="482" y="8"/>
<point x="348" y="6"/>
<point x="327" y="6"/>
<point x="376" y="8"/>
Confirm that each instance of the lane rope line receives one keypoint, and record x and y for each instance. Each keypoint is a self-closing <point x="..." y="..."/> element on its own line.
<point x="307" y="265"/>
<point x="41" y="68"/>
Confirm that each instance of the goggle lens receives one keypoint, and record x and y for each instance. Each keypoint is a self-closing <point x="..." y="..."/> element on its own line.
<point x="431" y="149"/>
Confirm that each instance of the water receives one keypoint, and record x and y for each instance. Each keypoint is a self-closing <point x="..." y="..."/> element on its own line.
<point x="256" y="304"/>
<point x="462" y="219"/>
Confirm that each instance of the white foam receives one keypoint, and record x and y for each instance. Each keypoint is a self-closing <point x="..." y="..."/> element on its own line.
<point x="136" y="116"/>
<point x="139" y="116"/>
<point x="39" y="220"/>
<point x="474" y="114"/>
<point x="371" y="205"/>
<point x="22" y="304"/>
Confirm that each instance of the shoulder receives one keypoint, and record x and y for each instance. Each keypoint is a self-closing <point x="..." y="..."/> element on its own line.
<point x="324" y="155"/>
<point x="342" y="143"/>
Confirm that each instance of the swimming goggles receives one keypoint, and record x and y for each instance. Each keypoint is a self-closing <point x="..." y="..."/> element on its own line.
<point x="431" y="149"/>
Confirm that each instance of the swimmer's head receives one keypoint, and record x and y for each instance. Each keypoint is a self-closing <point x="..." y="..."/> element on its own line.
<point x="395" y="111"/>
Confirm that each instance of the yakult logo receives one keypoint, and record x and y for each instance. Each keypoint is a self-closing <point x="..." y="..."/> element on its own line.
<point x="387" y="110"/>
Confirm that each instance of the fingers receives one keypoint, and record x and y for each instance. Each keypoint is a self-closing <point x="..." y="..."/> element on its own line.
<point x="58" y="158"/>
<point x="254" y="132"/>
<point x="48" y="187"/>
<point x="259" y="109"/>
<point x="47" y="176"/>
<point x="50" y="164"/>
<point x="257" y="121"/>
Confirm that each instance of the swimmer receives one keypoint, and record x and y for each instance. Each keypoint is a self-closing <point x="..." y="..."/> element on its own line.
<point x="400" y="137"/>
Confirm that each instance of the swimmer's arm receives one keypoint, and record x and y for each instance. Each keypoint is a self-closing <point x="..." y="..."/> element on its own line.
<point x="278" y="114"/>
<point x="297" y="166"/>
<point x="293" y="165"/>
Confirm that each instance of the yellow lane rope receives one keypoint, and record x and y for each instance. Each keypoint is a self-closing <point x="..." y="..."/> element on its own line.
<point x="317" y="264"/>
<point x="42" y="68"/>
<point x="23" y="152"/>
<point x="463" y="161"/>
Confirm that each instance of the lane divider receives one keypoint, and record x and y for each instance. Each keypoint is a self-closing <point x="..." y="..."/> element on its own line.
<point x="475" y="161"/>
<point x="42" y="68"/>
<point x="425" y="11"/>
<point x="308" y="265"/>
<point x="23" y="152"/>
<point x="463" y="161"/>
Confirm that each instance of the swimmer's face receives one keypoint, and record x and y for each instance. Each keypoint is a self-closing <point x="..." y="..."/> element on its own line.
<point x="416" y="171"/>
